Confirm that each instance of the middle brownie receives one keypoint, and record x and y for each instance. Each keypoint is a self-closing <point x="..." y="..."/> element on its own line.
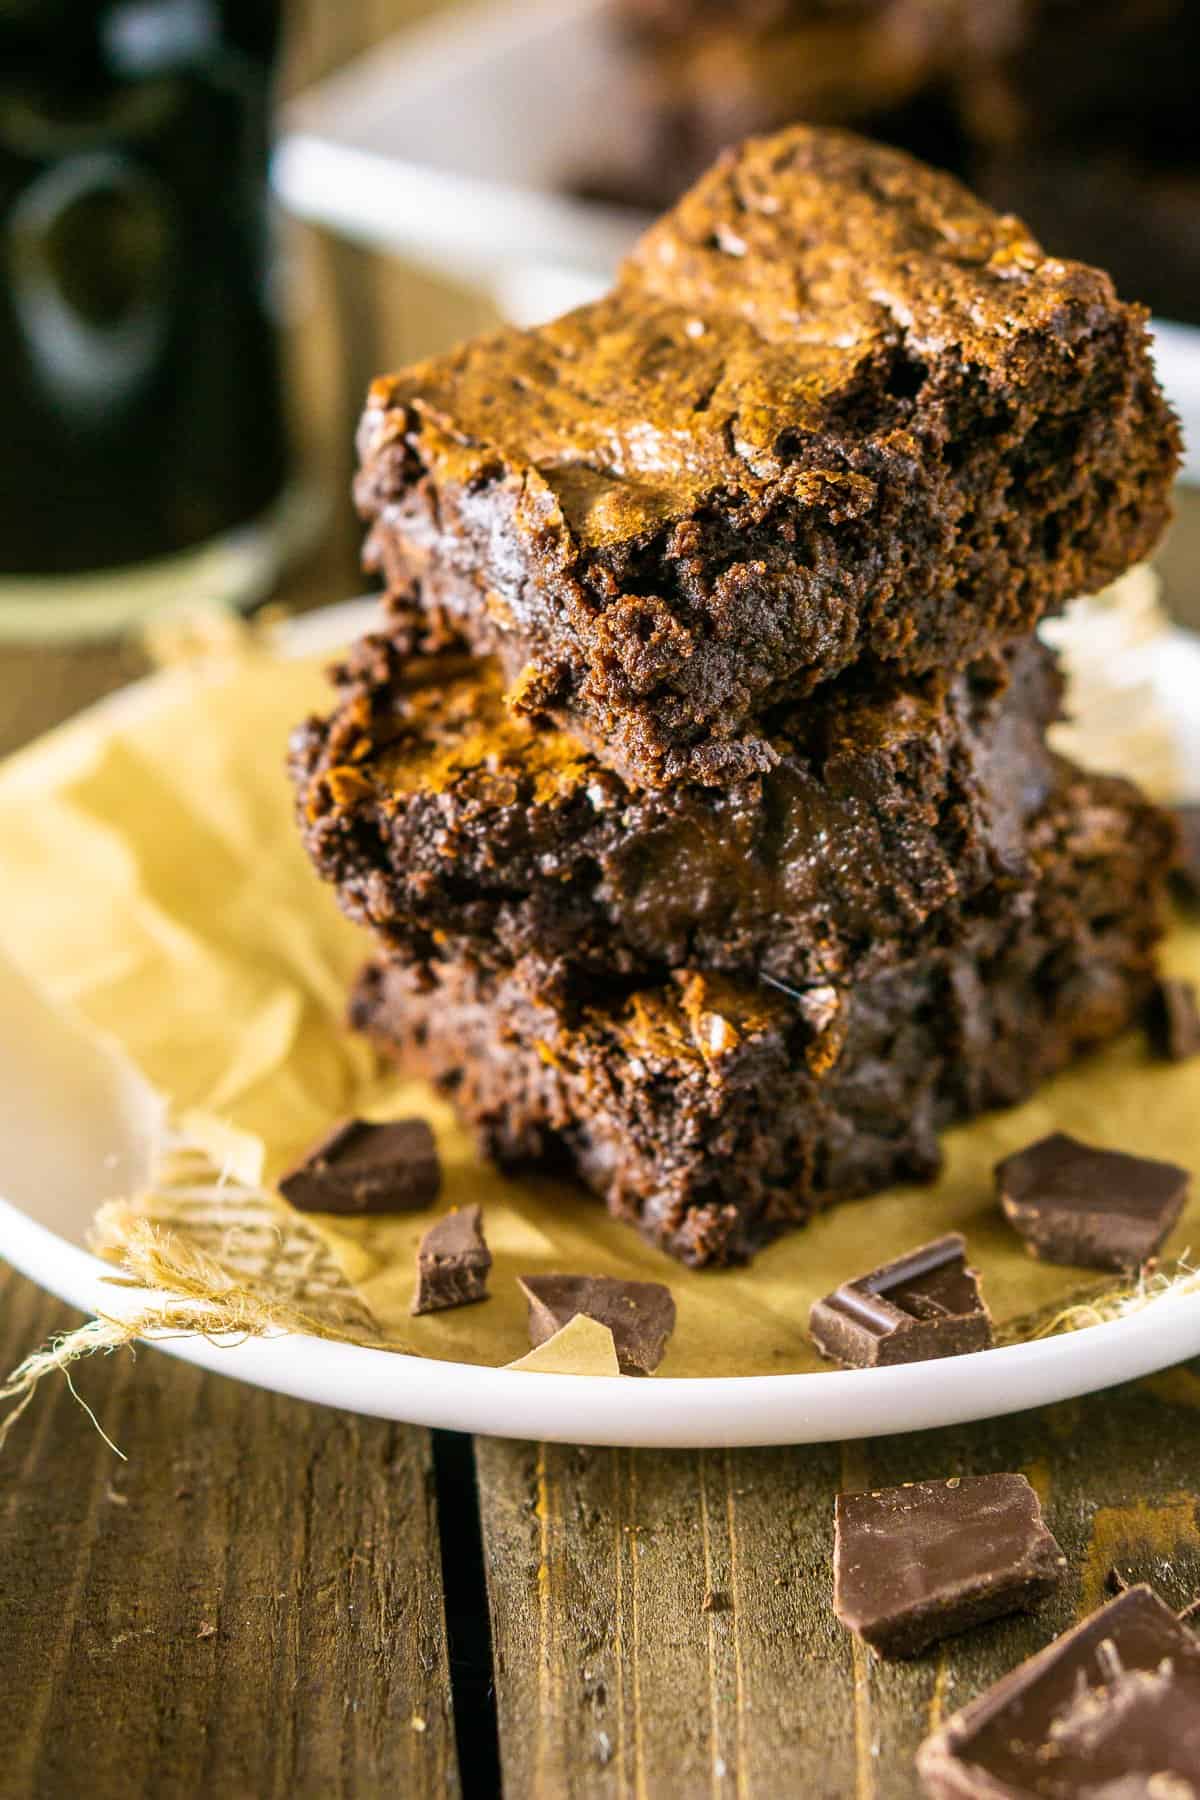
<point x="454" y="828"/>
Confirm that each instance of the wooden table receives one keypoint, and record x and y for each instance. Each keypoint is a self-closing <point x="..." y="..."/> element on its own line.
<point x="271" y="1599"/>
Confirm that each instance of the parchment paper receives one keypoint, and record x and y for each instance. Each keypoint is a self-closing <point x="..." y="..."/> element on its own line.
<point x="152" y="877"/>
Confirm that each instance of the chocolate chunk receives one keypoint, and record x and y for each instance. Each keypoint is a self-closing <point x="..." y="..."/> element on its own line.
<point x="1173" y="1021"/>
<point x="1111" y="1708"/>
<point x="362" y="1168"/>
<point x="923" y="1305"/>
<point x="1187" y="869"/>
<point x="640" y="1314"/>
<point x="452" y="1262"/>
<point x="1099" y="1209"/>
<point x="913" y="1564"/>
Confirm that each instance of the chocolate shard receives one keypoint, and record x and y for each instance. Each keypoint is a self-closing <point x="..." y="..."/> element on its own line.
<point x="1187" y="868"/>
<point x="452" y="1262"/>
<point x="358" y="1168"/>
<point x="1111" y="1708"/>
<point x="1173" y="1021"/>
<point x="1099" y="1209"/>
<point x="913" y="1564"/>
<point x="640" y="1314"/>
<point x="923" y="1305"/>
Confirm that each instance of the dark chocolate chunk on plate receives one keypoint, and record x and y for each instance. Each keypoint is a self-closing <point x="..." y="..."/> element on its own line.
<point x="1187" y="870"/>
<point x="1110" y="1709"/>
<point x="926" y="1304"/>
<point x="1098" y="1209"/>
<point x="913" y="1564"/>
<point x="361" y="1168"/>
<point x="452" y="1262"/>
<point x="1173" y="1021"/>
<point x="640" y="1314"/>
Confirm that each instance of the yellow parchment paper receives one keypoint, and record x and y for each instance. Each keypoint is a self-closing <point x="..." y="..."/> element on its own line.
<point x="152" y="877"/>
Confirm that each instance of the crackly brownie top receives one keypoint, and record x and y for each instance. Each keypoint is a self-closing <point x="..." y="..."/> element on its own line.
<point x="808" y="276"/>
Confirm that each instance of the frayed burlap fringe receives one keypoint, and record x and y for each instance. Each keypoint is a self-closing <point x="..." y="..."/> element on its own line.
<point x="226" y="1260"/>
<point x="1103" y="1305"/>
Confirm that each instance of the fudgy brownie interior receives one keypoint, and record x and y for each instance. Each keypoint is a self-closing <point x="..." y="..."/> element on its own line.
<point x="452" y="827"/>
<point x="712" y="1113"/>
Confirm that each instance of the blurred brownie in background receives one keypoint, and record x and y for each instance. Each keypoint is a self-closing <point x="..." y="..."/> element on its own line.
<point x="1078" y="116"/>
<point x="705" y="73"/>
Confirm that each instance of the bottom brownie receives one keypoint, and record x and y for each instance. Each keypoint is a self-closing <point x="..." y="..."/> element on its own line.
<point x="713" y="1114"/>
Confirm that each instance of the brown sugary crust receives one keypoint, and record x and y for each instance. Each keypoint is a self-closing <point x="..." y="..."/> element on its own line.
<point x="834" y="409"/>
<point x="712" y="1114"/>
<point x="452" y="828"/>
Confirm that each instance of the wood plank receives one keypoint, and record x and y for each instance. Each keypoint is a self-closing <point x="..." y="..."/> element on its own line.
<point x="251" y="1605"/>
<point x="661" y="1621"/>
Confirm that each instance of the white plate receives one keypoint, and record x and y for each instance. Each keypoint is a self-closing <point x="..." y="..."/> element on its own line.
<point x="455" y="145"/>
<point x="56" y="1166"/>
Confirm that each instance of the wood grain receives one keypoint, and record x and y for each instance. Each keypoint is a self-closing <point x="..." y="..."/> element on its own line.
<point x="662" y="1621"/>
<point x="251" y="1605"/>
<point x="306" y="1539"/>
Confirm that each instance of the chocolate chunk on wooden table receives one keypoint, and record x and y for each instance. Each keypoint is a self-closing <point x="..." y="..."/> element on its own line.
<point x="926" y="1304"/>
<point x="362" y="1168"/>
<point x="1173" y="1020"/>
<point x="1111" y="1708"/>
<point x="916" y="1563"/>
<point x="1100" y="1209"/>
<point x="453" y="1261"/>
<point x="640" y="1314"/>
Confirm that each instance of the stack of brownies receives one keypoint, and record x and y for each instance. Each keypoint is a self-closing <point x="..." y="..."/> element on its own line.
<point x="697" y="791"/>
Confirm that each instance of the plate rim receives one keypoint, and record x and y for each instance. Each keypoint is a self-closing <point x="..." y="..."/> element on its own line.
<point x="662" y="1412"/>
<point x="667" y="1412"/>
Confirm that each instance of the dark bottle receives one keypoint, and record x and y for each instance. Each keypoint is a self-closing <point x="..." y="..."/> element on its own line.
<point x="142" y="394"/>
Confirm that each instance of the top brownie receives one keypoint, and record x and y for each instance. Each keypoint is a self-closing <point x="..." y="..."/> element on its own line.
<point x="834" y="409"/>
